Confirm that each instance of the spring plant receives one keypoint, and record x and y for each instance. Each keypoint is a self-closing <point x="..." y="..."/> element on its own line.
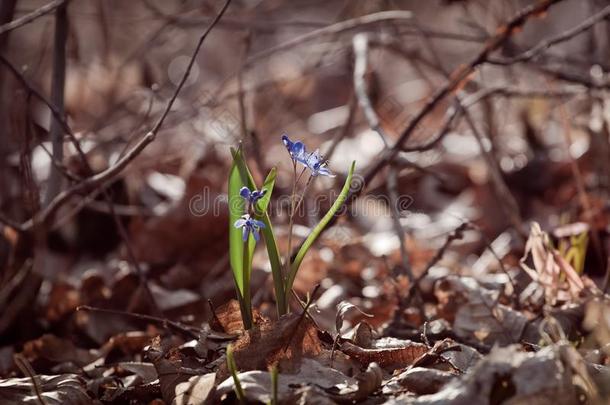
<point x="249" y="221"/>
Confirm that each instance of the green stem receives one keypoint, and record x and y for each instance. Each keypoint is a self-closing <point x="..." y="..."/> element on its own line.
<point x="290" y="224"/>
<point x="246" y="302"/>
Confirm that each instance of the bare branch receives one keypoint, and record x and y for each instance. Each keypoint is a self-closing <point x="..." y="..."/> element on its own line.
<point x="546" y="44"/>
<point x="28" y="18"/>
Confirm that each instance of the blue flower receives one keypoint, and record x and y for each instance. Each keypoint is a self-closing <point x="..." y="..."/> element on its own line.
<point x="313" y="161"/>
<point x="249" y="224"/>
<point x="252" y="196"/>
<point x="317" y="165"/>
<point x="296" y="149"/>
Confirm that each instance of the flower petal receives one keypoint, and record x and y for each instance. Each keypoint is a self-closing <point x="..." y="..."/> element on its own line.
<point x="240" y="223"/>
<point x="287" y="142"/>
<point x="245" y="233"/>
<point x="256" y="234"/>
<point x="324" y="171"/>
<point x="245" y="192"/>
<point x="298" y="148"/>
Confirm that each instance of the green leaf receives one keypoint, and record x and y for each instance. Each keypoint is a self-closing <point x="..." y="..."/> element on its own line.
<point x="268" y="235"/>
<point x="239" y="391"/>
<point x="294" y="267"/>
<point x="237" y="207"/>
<point x="239" y="258"/>
<point x="274" y="371"/>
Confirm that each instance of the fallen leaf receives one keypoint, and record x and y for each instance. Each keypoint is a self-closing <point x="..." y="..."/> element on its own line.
<point x="146" y="371"/>
<point x="509" y="375"/>
<point x="342" y="309"/>
<point x="194" y="391"/>
<point x="56" y="389"/>
<point x="419" y="380"/>
<point x="287" y="340"/>
<point x="397" y="354"/>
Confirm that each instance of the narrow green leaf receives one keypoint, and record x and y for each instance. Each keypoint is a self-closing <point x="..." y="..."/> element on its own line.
<point x="294" y="267"/>
<point x="239" y="257"/>
<point x="239" y="391"/>
<point x="274" y="371"/>
<point x="268" y="235"/>
<point x="236" y="210"/>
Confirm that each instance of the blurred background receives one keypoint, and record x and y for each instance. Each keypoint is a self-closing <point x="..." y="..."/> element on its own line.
<point x="521" y="140"/>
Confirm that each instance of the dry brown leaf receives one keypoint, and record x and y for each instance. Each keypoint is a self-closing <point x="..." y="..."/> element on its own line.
<point x="195" y="391"/>
<point x="146" y="371"/>
<point x="56" y="389"/>
<point x="56" y="350"/>
<point x="419" y="380"/>
<point x="400" y="353"/>
<point x="228" y="318"/>
<point x="509" y="375"/>
<point x="342" y="308"/>
<point x="287" y="340"/>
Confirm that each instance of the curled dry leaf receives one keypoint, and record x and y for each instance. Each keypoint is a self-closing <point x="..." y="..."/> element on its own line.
<point x="361" y="335"/>
<point x="55" y="389"/>
<point x="342" y="308"/>
<point x="388" y="353"/>
<point x="418" y="380"/>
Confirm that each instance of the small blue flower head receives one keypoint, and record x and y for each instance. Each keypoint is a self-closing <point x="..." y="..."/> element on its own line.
<point x="249" y="224"/>
<point x="296" y="149"/>
<point x="252" y="196"/>
<point x="317" y="165"/>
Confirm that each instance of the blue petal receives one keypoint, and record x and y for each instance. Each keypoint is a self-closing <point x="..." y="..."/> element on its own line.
<point x="256" y="235"/>
<point x="313" y="160"/>
<point x="287" y="142"/>
<point x="240" y="223"/>
<point x="259" y="224"/>
<point x="245" y="232"/>
<point x="325" y="172"/>
<point x="298" y="148"/>
<point x="245" y="192"/>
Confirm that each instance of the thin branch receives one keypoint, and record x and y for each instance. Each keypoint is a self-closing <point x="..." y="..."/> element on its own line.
<point x="177" y="326"/>
<point x="457" y="234"/>
<point x="26" y="368"/>
<point x="546" y="44"/>
<point x="28" y="18"/>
